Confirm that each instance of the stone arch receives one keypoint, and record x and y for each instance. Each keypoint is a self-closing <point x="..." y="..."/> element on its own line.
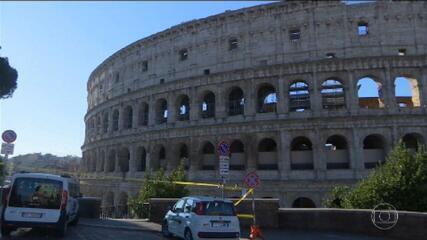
<point x="369" y="92"/>
<point x="299" y="96"/>
<point x="101" y="161"/>
<point x="161" y="111"/>
<point x="98" y="123"/>
<point x="128" y="117"/>
<point x="124" y="159"/>
<point x="108" y="199"/>
<point x="142" y="159"/>
<point x="183" y="155"/>
<point x="337" y="155"/>
<point x="407" y="92"/>
<point x="333" y="95"/>
<point x="301" y="154"/>
<point x="373" y="150"/>
<point x="208" y="105"/>
<point x="111" y="163"/>
<point x="183" y="108"/>
<point x="116" y="119"/>
<point x="208" y="156"/>
<point x="267" y="154"/>
<point x="159" y="158"/>
<point x="237" y="155"/>
<point x="122" y="205"/>
<point x="93" y="159"/>
<point x="413" y="141"/>
<point x="236" y="101"/>
<point x="303" y="202"/>
<point x="266" y="98"/>
<point x="105" y="121"/>
<point x="143" y="114"/>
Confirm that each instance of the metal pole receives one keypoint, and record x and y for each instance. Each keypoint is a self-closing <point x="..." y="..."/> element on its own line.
<point x="222" y="188"/>
<point x="6" y="156"/>
<point x="253" y="207"/>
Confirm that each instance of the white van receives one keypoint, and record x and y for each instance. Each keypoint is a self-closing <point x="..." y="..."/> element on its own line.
<point x="40" y="200"/>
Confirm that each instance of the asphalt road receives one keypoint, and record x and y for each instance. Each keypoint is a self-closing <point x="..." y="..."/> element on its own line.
<point x="85" y="233"/>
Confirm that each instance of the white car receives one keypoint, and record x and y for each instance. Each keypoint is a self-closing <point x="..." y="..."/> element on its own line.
<point x="195" y="218"/>
<point x="36" y="200"/>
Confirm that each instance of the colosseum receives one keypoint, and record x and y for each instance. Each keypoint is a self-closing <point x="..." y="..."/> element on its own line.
<point x="283" y="83"/>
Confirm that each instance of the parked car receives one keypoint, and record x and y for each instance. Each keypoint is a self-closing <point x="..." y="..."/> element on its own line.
<point x="38" y="200"/>
<point x="195" y="218"/>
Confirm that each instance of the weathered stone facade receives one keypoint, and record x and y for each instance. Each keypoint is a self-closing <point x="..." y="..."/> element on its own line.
<point x="278" y="81"/>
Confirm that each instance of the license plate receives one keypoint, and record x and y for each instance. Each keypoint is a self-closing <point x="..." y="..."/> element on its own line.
<point x="31" y="215"/>
<point x="219" y="224"/>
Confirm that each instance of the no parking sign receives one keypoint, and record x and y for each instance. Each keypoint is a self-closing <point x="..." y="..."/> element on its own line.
<point x="252" y="180"/>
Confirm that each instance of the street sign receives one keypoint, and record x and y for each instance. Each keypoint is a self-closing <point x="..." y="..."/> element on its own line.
<point x="7" y="148"/>
<point x="223" y="149"/>
<point x="224" y="166"/>
<point x="9" y="136"/>
<point x="252" y="180"/>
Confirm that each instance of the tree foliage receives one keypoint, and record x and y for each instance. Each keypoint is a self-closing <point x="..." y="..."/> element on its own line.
<point x="159" y="186"/>
<point x="8" y="78"/>
<point x="401" y="181"/>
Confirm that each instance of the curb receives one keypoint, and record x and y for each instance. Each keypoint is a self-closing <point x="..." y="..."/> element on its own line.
<point x="136" y="229"/>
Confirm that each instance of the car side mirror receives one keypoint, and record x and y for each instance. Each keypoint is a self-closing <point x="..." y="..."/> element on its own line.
<point x="170" y="208"/>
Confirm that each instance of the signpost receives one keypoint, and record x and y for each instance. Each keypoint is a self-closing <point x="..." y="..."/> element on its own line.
<point x="252" y="180"/>
<point x="224" y="163"/>
<point x="8" y="136"/>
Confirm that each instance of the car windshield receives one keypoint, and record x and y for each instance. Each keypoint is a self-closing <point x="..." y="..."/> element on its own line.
<point x="218" y="208"/>
<point x="36" y="193"/>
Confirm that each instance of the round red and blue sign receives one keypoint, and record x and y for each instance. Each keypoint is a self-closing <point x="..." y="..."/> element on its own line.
<point x="223" y="149"/>
<point x="9" y="136"/>
<point x="252" y="180"/>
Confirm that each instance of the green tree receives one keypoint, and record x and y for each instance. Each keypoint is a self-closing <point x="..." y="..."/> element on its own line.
<point x="401" y="181"/>
<point x="159" y="186"/>
<point x="8" y="78"/>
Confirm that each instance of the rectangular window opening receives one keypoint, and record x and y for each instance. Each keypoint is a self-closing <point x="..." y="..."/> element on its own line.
<point x="363" y="29"/>
<point x="294" y="34"/>
<point x="402" y="52"/>
<point x="330" y="55"/>
<point x="183" y="54"/>
<point x="144" y="66"/>
<point x="233" y="44"/>
<point x="207" y="71"/>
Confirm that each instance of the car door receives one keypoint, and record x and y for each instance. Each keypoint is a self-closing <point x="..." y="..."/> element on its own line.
<point x="185" y="217"/>
<point x="173" y="218"/>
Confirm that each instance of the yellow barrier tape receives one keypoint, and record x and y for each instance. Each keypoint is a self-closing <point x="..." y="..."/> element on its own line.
<point x="245" y="216"/>
<point x="244" y="196"/>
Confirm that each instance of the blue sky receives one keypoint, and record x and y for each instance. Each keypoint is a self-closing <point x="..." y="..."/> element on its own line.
<point x="55" y="46"/>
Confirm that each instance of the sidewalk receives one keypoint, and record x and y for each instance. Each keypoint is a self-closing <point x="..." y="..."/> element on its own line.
<point x="270" y="234"/>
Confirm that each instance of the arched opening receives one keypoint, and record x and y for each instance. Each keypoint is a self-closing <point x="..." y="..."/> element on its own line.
<point x="208" y="105"/>
<point x="413" y="141"/>
<point x="101" y="161"/>
<point x="373" y="150"/>
<point x="303" y="202"/>
<point x="237" y="155"/>
<point x="116" y="120"/>
<point x="236" y="102"/>
<point x="369" y="92"/>
<point x="162" y="157"/>
<point x="128" y="117"/>
<point x="111" y="163"/>
<point x="108" y="204"/>
<point x="267" y="155"/>
<point x="142" y="159"/>
<point x="208" y="159"/>
<point x="337" y="153"/>
<point x="266" y="98"/>
<point x="143" y="114"/>
<point x="92" y="162"/>
<point x="161" y="111"/>
<point x="124" y="158"/>
<point x="105" y="122"/>
<point x="183" y="108"/>
<point x="407" y="92"/>
<point x="333" y="96"/>
<point x="122" y="206"/>
<point x="184" y="156"/>
<point x="299" y="97"/>
<point x="301" y="154"/>
<point x="98" y="124"/>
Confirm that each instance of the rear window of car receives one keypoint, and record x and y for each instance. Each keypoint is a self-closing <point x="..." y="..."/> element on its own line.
<point x="218" y="208"/>
<point x="36" y="193"/>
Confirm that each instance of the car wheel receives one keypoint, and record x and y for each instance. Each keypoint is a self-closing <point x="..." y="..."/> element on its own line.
<point x="62" y="229"/>
<point x="188" y="235"/>
<point x="5" y="231"/>
<point x="165" y="230"/>
<point x="75" y="221"/>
